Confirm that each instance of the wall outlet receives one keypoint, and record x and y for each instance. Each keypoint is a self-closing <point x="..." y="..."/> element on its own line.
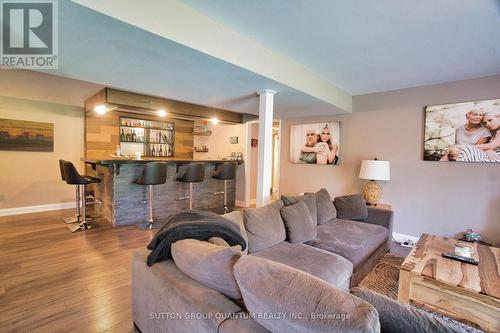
<point x="407" y="243"/>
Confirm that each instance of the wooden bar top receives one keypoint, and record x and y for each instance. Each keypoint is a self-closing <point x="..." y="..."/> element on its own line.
<point x="172" y="160"/>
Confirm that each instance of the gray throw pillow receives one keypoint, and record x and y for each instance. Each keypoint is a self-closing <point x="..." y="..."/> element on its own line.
<point x="264" y="226"/>
<point x="351" y="207"/>
<point x="309" y="199"/>
<point x="209" y="264"/>
<point x="298" y="223"/>
<point x="396" y="317"/>
<point x="326" y="208"/>
<point x="307" y="303"/>
<point x="219" y="241"/>
<point x="237" y="217"/>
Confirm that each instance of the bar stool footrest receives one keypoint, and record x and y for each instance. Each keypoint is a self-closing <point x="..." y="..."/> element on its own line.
<point x="145" y="226"/>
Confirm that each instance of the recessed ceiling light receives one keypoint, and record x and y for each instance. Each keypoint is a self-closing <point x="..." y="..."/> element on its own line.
<point x="161" y="113"/>
<point x="100" y="109"/>
<point x="214" y="121"/>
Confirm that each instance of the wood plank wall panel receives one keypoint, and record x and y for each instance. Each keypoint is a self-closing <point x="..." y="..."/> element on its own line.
<point x="102" y="134"/>
<point x="128" y="202"/>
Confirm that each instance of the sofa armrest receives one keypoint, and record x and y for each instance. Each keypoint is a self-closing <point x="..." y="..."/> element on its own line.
<point x="381" y="217"/>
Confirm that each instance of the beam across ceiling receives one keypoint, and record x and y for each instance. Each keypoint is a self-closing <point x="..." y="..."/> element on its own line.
<point x="182" y="24"/>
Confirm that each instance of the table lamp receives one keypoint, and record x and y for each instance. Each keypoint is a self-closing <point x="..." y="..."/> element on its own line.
<point x="374" y="170"/>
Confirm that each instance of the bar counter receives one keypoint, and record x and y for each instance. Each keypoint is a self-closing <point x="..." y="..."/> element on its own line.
<point x="122" y="202"/>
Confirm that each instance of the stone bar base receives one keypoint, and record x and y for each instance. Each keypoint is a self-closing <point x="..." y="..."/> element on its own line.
<point x="122" y="202"/>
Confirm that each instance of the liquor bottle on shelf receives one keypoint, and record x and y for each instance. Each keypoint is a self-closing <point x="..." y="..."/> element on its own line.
<point x="153" y="152"/>
<point x="127" y="136"/>
<point x="122" y="136"/>
<point x="160" y="152"/>
<point x="134" y="136"/>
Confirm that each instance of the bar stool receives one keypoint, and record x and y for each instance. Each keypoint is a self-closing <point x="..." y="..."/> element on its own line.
<point x="72" y="177"/>
<point x="225" y="171"/>
<point x="194" y="173"/>
<point x="154" y="173"/>
<point x="75" y="218"/>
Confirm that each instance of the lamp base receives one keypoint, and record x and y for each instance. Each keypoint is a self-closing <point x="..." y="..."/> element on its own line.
<point x="372" y="192"/>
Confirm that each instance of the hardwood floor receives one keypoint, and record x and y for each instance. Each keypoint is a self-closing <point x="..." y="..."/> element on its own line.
<point x="54" y="281"/>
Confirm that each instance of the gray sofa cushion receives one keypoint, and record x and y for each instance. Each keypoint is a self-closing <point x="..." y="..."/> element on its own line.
<point x="209" y="264"/>
<point x="396" y="317"/>
<point x="351" y="207"/>
<point x="272" y="288"/>
<point x="325" y="207"/>
<point x="264" y="226"/>
<point x="298" y="223"/>
<point x="164" y="288"/>
<point x="352" y="240"/>
<point x="241" y="323"/>
<point x="327" y="266"/>
<point x="308" y="198"/>
<point x="219" y="241"/>
<point x="237" y="217"/>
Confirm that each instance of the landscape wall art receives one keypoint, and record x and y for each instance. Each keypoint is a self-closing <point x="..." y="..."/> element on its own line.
<point x="21" y="135"/>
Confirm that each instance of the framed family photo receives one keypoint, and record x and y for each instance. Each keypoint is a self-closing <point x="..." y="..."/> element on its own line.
<point x="463" y="132"/>
<point x="317" y="143"/>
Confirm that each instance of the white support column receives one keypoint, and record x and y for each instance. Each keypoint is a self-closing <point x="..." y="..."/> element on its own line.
<point x="265" y="147"/>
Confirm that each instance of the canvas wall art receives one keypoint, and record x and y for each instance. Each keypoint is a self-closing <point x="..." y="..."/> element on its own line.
<point x="317" y="143"/>
<point x="463" y="132"/>
<point x="23" y="135"/>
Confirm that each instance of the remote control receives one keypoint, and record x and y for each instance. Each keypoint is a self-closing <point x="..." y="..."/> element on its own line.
<point x="452" y="256"/>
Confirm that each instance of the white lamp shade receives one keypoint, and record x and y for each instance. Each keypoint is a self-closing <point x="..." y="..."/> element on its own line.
<point x="375" y="170"/>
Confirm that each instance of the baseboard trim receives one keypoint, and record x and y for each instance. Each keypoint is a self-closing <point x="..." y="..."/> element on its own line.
<point x="35" y="209"/>
<point x="403" y="237"/>
<point x="240" y="203"/>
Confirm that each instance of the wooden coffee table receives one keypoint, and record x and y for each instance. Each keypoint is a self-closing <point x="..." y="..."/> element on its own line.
<point x="458" y="290"/>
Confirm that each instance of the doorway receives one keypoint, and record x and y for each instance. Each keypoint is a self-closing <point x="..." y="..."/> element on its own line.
<point x="252" y="162"/>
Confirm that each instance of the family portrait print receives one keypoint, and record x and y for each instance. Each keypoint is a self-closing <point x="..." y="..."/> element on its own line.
<point x="463" y="132"/>
<point x="315" y="143"/>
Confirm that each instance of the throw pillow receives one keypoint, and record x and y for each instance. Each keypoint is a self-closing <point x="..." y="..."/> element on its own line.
<point x="396" y="317"/>
<point x="237" y="217"/>
<point x="308" y="198"/>
<point x="264" y="226"/>
<point x="326" y="208"/>
<point x="218" y="241"/>
<point x="209" y="264"/>
<point x="298" y="223"/>
<point x="306" y="303"/>
<point x="351" y="207"/>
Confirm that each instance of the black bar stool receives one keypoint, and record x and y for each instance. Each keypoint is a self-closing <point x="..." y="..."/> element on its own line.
<point x="194" y="173"/>
<point x="154" y="173"/>
<point x="75" y="218"/>
<point x="72" y="177"/>
<point x="225" y="171"/>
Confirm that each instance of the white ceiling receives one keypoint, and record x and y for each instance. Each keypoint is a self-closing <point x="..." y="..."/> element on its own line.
<point x="371" y="46"/>
<point x="97" y="48"/>
<point x="359" y="46"/>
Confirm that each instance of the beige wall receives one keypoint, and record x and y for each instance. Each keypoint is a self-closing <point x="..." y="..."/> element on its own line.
<point x="32" y="178"/>
<point x="218" y="143"/>
<point x="219" y="146"/>
<point x="433" y="197"/>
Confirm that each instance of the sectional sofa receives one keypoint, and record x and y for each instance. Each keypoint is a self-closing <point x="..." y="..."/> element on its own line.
<point x="338" y="242"/>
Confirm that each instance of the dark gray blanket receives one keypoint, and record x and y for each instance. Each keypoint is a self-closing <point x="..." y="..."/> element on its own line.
<point x="194" y="224"/>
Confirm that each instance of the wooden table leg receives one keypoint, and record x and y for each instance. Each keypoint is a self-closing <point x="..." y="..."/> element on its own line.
<point x="404" y="287"/>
